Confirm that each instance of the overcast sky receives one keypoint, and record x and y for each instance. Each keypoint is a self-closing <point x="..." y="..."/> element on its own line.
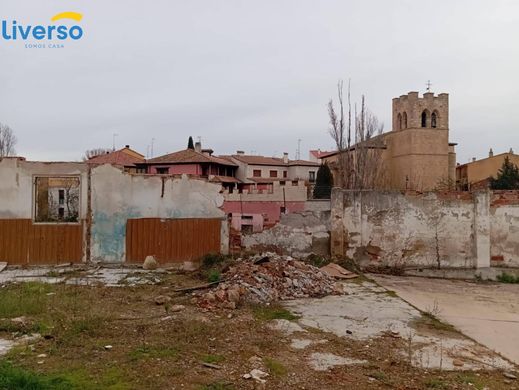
<point x="254" y="75"/>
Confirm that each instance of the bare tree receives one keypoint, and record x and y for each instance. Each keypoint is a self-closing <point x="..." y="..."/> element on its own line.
<point x="359" y="164"/>
<point x="91" y="153"/>
<point x="7" y="141"/>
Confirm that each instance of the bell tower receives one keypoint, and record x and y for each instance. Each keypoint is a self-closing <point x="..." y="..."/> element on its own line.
<point x="418" y="145"/>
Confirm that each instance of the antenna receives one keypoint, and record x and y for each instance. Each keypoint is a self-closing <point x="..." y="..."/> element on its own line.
<point x="113" y="145"/>
<point x="428" y="85"/>
<point x="298" y="151"/>
<point x="152" y="142"/>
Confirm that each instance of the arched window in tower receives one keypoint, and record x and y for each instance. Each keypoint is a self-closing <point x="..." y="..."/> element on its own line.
<point x="399" y="120"/>
<point x="434" y="119"/>
<point x="404" y="120"/>
<point x="424" y="119"/>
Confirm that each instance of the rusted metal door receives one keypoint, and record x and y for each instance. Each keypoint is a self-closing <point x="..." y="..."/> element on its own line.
<point x="25" y="242"/>
<point x="171" y="240"/>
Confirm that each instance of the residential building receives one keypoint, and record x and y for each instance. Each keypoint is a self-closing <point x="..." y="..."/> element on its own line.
<point x="475" y="174"/>
<point x="127" y="158"/>
<point x="196" y="162"/>
<point x="317" y="155"/>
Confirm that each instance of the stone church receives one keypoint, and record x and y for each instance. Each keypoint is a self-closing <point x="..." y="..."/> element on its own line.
<point x="416" y="154"/>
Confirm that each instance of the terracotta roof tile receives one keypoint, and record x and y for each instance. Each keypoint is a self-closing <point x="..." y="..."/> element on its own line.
<point x="188" y="156"/>
<point x="119" y="157"/>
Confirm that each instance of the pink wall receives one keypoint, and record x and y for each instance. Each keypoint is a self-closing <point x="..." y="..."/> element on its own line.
<point x="189" y="169"/>
<point x="272" y="210"/>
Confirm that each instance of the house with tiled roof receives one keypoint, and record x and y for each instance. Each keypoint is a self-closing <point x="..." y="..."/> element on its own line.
<point x="196" y="162"/>
<point x="125" y="158"/>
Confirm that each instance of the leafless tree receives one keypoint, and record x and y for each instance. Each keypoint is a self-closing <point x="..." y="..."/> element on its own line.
<point x="7" y="141"/>
<point x="91" y="153"/>
<point x="359" y="164"/>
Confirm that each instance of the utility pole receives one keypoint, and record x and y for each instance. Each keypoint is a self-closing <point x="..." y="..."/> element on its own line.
<point x="298" y="151"/>
<point x="152" y="142"/>
<point x="113" y="144"/>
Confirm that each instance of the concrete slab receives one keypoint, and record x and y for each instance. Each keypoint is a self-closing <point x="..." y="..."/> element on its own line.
<point x="488" y="313"/>
<point x="369" y="311"/>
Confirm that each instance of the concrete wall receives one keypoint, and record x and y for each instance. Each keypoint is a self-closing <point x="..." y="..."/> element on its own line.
<point x="17" y="185"/>
<point x="504" y="228"/>
<point x="297" y="234"/>
<point x="118" y="196"/>
<point x="390" y="228"/>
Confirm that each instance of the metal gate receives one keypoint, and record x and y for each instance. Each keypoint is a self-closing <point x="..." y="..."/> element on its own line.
<point x="24" y="242"/>
<point x="171" y="240"/>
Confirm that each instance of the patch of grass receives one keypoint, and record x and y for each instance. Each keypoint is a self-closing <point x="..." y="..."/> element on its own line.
<point x="466" y="378"/>
<point x="508" y="278"/>
<point x="88" y="325"/>
<point x="436" y="383"/>
<point x="214" y="276"/>
<point x="213" y="359"/>
<point x="432" y="321"/>
<point x="153" y="352"/>
<point x="273" y="312"/>
<point x="18" y="378"/>
<point x="24" y="299"/>
<point x="216" y="386"/>
<point x="378" y="375"/>
<point x="275" y="367"/>
<point x="212" y="259"/>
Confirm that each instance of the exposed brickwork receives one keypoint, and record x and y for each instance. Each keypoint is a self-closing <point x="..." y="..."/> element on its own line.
<point x="504" y="198"/>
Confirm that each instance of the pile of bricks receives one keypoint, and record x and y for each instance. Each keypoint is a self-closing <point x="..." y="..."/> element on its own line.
<point x="267" y="278"/>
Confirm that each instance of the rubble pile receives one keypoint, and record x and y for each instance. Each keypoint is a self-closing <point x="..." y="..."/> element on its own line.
<point x="268" y="278"/>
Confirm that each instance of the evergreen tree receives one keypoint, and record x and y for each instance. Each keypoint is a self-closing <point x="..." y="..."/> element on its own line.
<point x="190" y="144"/>
<point x="323" y="183"/>
<point x="507" y="177"/>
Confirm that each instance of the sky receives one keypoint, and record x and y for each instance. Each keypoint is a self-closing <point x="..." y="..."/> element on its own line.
<point x="253" y="75"/>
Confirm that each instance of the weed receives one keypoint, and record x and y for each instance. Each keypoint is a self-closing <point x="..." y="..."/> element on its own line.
<point x="216" y="386"/>
<point x="275" y="367"/>
<point x="24" y="299"/>
<point x="436" y="383"/>
<point x="152" y="352"/>
<point x="507" y="278"/>
<point x="378" y="375"/>
<point x="471" y="380"/>
<point x="212" y="259"/>
<point x="212" y="358"/>
<point x="18" y="378"/>
<point x="316" y="260"/>
<point x="213" y="276"/>
<point x="273" y="312"/>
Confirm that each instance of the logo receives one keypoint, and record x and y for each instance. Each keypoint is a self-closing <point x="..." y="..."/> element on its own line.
<point x="13" y="31"/>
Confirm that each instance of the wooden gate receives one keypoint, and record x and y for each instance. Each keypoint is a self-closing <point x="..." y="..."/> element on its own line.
<point x="171" y="240"/>
<point x="24" y="242"/>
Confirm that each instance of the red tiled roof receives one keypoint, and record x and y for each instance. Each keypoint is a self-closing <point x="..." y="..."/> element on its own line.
<point x="224" y="179"/>
<point x="119" y="157"/>
<point x="189" y="156"/>
<point x="319" y="153"/>
<point x="262" y="160"/>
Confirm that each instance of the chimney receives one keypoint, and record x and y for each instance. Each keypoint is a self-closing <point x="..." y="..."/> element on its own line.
<point x="285" y="157"/>
<point x="198" y="147"/>
<point x="473" y="159"/>
<point x="240" y="152"/>
<point x="511" y="151"/>
<point x="490" y="153"/>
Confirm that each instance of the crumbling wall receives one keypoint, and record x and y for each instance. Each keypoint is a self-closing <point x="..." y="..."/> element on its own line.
<point x="297" y="234"/>
<point x="117" y="196"/>
<point x="393" y="229"/>
<point x="504" y="228"/>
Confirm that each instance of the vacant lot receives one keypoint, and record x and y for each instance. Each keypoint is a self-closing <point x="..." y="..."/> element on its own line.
<point x="98" y="337"/>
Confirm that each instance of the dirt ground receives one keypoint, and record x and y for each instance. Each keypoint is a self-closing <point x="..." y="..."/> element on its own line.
<point x="95" y="336"/>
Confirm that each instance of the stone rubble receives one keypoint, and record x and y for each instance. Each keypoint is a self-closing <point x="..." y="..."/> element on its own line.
<point x="267" y="278"/>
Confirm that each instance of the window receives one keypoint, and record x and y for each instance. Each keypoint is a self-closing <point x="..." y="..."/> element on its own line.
<point x="282" y="183"/>
<point x="256" y="173"/>
<point x="61" y="197"/>
<point x="273" y="173"/>
<point x="399" y="120"/>
<point x="285" y="174"/>
<point x="424" y="119"/>
<point x="404" y="119"/>
<point x="433" y="120"/>
<point x="163" y="171"/>
<point x="311" y="176"/>
<point x="56" y="199"/>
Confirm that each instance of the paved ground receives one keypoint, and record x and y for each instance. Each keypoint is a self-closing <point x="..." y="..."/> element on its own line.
<point x="369" y="311"/>
<point x="488" y="313"/>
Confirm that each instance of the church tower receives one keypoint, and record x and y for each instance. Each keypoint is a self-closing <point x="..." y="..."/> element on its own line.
<point x="420" y="155"/>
